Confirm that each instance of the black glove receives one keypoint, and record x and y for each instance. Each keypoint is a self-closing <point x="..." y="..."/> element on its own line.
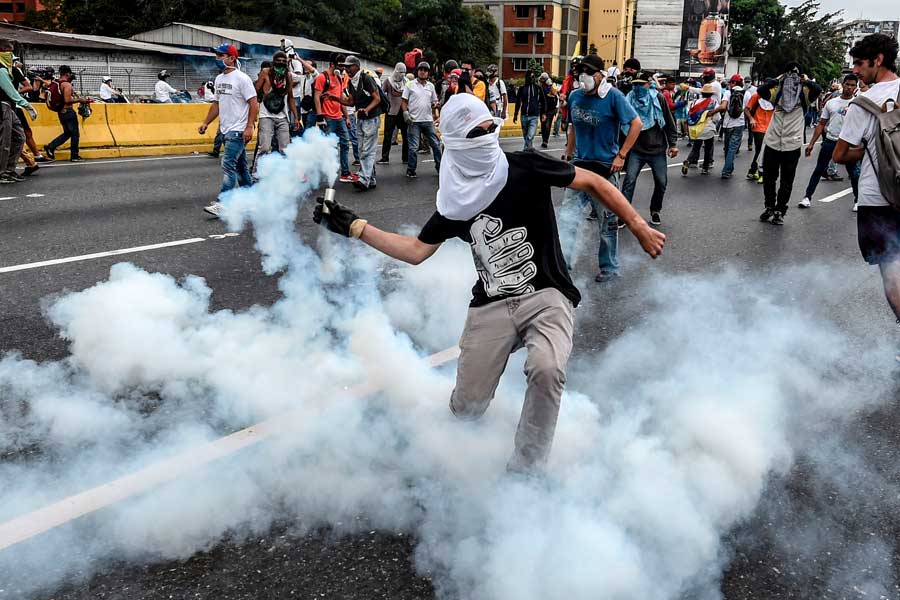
<point x="362" y="114"/>
<point x="338" y="218"/>
<point x="320" y="118"/>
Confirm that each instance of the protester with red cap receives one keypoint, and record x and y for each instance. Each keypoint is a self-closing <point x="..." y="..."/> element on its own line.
<point x="734" y="100"/>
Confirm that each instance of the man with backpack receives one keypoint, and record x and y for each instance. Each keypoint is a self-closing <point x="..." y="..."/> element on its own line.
<point x="791" y="94"/>
<point x="329" y="85"/>
<point x="61" y="99"/>
<point x="733" y="122"/>
<point x="499" y="97"/>
<point x="276" y="84"/>
<point x="871" y="134"/>
<point x="365" y="96"/>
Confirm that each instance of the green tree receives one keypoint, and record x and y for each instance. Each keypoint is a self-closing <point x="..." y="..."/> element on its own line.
<point x="775" y="34"/>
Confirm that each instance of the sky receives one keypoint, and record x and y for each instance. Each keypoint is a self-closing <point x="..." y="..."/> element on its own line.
<point x="876" y="10"/>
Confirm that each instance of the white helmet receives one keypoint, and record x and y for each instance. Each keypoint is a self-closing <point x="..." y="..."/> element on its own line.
<point x="287" y="45"/>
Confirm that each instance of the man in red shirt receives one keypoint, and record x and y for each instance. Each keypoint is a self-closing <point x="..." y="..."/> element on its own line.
<point x="328" y="85"/>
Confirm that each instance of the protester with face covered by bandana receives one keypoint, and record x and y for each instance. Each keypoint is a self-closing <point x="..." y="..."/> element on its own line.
<point x="500" y="203"/>
<point x="657" y="139"/>
<point x="275" y="85"/>
<point x="791" y="94"/>
<point x="598" y="112"/>
<point x="532" y="104"/>
<point x="393" y="120"/>
<point x="12" y="135"/>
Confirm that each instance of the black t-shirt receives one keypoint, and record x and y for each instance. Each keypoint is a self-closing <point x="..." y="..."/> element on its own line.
<point x="362" y="96"/>
<point x="515" y="241"/>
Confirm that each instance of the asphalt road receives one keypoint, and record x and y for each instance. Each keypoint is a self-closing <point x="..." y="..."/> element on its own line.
<point x="712" y="225"/>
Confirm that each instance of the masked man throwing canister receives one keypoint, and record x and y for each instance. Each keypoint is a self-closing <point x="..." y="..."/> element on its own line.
<point x="500" y="204"/>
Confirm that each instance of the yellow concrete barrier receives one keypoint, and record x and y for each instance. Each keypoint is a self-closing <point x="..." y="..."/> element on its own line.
<point x="95" y="132"/>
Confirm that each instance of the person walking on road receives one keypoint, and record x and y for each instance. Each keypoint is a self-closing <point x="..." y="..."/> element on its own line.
<point x="831" y="121"/>
<point x="702" y="128"/>
<point x="759" y="113"/>
<point x="532" y="105"/>
<point x="734" y="100"/>
<point x="364" y="95"/>
<point x="749" y="90"/>
<point x="419" y="106"/>
<point x="658" y="139"/>
<point x="551" y="103"/>
<point x="30" y="154"/>
<point x="598" y="112"/>
<point x="236" y="107"/>
<point x="499" y="98"/>
<point x="791" y="94"/>
<point x="333" y="114"/>
<point x="61" y="99"/>
<point x="276" y="85"/>
<point x="878" y="223"/>
<point x="12" y="135"/>
<point x="500" y="204"/>
<point x="393" y="88"/>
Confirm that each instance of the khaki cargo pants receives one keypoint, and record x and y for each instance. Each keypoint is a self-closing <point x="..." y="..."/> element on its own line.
<point x="543" y="323"/>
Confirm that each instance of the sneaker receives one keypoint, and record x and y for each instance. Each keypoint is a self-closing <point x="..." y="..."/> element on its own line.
<point x="383" y="161"/>
<point x="602" y="277"/>
<point x="42" y="159"/>
<point x="50" y="152"/>
<point x="76" y="159"/>
<point x="654" y="219"/>
<point x="5" y="178"/>
<point x="213" y="154"/>
<point x="856" y="207"/>
<point x="684" y="168"/>
<point x="14" y="176"/>
<point x="30" y="171"/>
<point x="805" y="203"/>
<point x="759" y="179"/>
<point x="213" y="209"/>
<point x="726" y="175"/>
<point x="778" y="219"/>
<point x="360" y="186"/>
<point x="751" y="175"/>
<point x="411" y="174"/>
<point x="768" y="214"/>
<point x="348" y="178"/>
<point x="704" y="171"/>
<point x="543" y="145"/>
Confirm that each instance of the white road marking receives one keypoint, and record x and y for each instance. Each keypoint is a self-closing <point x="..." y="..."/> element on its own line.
<point x="27" y="526"/>
<point x="837" y="195"/>
<point x="34" y="195"/>
<point x="101" y="161"/>
<point x="59" y="261"/>
<point x="9" y="198"/>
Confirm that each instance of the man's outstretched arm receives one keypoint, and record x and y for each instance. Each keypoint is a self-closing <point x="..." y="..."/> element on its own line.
<point x="343" y="221"/>
<point x="652" y="241"/>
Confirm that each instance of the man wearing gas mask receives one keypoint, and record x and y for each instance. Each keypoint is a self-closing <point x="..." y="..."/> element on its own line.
<point x="791" y="94"/>
<point x="500" y="204"/>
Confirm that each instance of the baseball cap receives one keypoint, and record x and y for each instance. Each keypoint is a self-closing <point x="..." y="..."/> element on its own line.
<point x="593" y="62"/>
<point x="632" y="63"/>
<point x="642" y="77"/>
<point x="227" y="49"/>
<point x="350" y="60"/>
<point x="737" y="78"/>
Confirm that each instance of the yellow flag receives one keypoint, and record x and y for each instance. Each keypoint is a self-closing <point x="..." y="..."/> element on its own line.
<point x="577" y="50"/>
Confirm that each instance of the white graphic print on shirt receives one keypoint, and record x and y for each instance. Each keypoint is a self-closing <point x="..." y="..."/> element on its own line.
<point x="502" y="258"/>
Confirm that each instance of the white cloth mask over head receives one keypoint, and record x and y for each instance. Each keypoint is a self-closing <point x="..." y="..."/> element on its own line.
<point x="473" y="171"/>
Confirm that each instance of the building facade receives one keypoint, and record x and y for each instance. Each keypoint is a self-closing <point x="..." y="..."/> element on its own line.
<point x="15" y="12"/>
<point x="856" y="30"/>
<point x="547" y="32"/>
<point x="607" y="26"/>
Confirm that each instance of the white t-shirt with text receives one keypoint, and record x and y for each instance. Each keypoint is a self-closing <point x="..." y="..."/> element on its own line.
<point x="835" y="110"/>
<point x="234" y="90"/>
<point x="860" y="125"/>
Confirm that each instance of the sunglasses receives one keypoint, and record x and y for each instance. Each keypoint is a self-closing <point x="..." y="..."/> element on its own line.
<point x="480" y="131"/>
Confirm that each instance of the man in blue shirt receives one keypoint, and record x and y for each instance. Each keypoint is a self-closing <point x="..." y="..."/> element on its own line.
<point x="598" y="111"/>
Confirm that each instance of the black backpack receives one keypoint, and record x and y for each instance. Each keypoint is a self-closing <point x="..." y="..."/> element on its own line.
<point x="736" y="104"/>
<point x="384" y="103"/>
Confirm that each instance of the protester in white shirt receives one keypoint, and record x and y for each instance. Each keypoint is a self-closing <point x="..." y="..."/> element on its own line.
<point x="108" y="93"/>
<point x="419" y="106"/>
<point x="878" y="223"/>
<point x="733" y="124"/>
<point x="163" y="91"/>
<point x="236" y="107"/>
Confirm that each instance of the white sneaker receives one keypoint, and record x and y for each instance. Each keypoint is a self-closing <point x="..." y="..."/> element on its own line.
<point x="213" y="209"/>
<point x="805" y="203"/>
<point x="855" y="206"/>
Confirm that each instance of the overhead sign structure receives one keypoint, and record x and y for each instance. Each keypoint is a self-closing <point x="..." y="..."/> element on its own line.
<point x="704" y="33"/>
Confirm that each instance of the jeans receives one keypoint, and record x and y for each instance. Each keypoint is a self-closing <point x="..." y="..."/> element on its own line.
<point x="235" y="170"/>
<point x="757" y="147"/>
<point x="217" y="143"/>
<point x="269" y="129"/>
<point x="354" y="139"/>
<point x="822" y="163"/>
<point x="339" y="128"/>
<point x="368" y="143"/>
<point x="557" y="123"/>
<point x="608" y="252"/>
<point x="309" y="120"/>
<point x="546" y="124"/>
<point x="69" y="121"/>
<point x="12" y="138"/>
<point x="785" y="164"/>
<point x="392" y="124"/>
<point x="733" y="137"/>
<point x="417" y="129"/>
<point x="707" y="146"/>
<point x="658" y="167"/>
<point x="299" y="132"/>
<point x="529" y="129"/>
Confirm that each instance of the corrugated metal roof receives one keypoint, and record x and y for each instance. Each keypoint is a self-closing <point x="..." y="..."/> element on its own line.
<point x="255" y="38"/>
<point x="35" y="37"/>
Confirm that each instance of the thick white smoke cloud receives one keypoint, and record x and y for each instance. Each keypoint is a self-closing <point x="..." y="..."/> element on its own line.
<point x="669" y="446"/>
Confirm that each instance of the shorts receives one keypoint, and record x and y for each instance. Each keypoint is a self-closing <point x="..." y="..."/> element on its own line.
<point x="878" y="228"/>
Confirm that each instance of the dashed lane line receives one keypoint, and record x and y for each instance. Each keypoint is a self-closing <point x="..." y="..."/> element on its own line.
<point x="71" y="259"/>
<point x="837" y="195"/>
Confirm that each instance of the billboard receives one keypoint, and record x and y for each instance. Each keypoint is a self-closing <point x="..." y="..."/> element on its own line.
<point x="704" y="31"/>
